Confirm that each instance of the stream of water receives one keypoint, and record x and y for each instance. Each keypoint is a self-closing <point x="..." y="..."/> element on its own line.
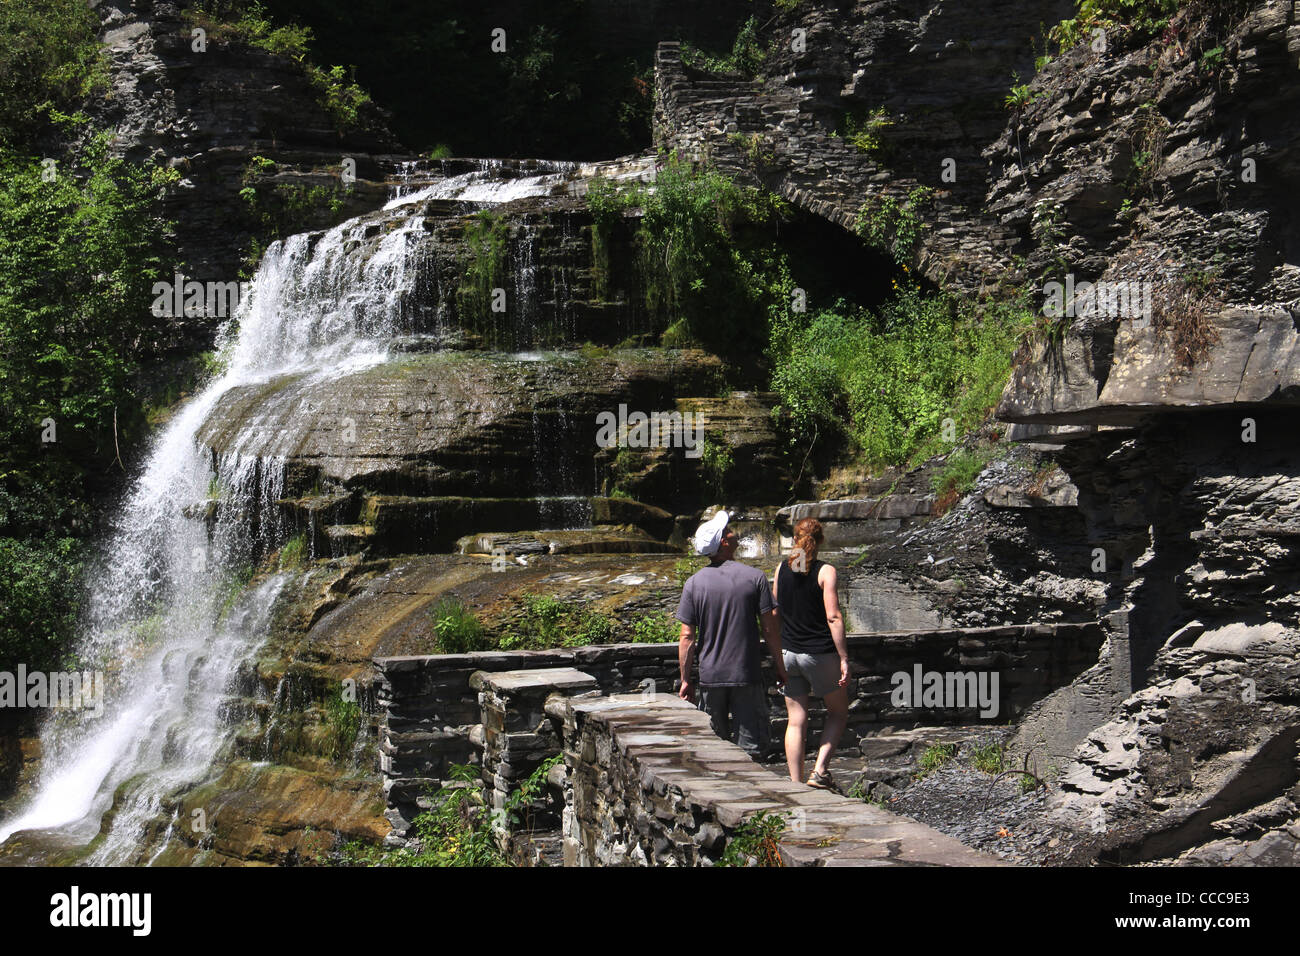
<point x="170" y="616"/>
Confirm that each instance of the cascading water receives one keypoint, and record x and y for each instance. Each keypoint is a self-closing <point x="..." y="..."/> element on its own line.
<point x="166" y="620"/>
<point x="171" y="617"/>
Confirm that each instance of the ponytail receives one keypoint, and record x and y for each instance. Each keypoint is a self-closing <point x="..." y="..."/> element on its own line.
<point x="807" y="539"/>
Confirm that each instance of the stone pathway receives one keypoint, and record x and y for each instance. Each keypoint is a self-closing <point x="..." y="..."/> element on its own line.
<point x="669" y="748"/>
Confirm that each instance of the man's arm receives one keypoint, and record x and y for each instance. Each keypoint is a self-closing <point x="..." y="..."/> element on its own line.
<point x="772" y="634"/>
<point x="685" y="660"/>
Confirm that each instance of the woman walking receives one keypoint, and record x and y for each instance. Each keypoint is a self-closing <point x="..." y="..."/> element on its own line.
<point x="815" y="653"/>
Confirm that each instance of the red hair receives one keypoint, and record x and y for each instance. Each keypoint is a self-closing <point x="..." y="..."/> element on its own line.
<point x="807" y="539"/>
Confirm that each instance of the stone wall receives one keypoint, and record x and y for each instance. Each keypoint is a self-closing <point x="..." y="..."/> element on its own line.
<point x="433" y="715"/>
<point x="649" y="784"/>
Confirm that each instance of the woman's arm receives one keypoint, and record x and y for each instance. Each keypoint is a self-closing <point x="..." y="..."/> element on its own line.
<point x="829" y="580"/>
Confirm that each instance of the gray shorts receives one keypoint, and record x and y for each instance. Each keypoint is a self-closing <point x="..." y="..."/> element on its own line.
<point x="738" y="714"/>
<point x="818" y="674"/>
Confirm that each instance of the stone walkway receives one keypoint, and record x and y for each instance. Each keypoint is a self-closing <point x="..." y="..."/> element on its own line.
<point x="665" y="749"/>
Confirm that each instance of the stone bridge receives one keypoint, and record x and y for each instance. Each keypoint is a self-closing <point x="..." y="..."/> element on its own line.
<point x="645" y="781"/>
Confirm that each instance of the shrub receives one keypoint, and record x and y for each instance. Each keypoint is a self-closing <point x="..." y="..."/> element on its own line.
<point x="886" y="381"/>
<point x="458" y="630"/>
<point x="934" y="757"/>
<point x="746" y="56"/>
<point x="548" y="621"/>
<point x="756" y="842"/>
<point x="655" y="629"/>
<point x="49" y="60"/>
<point x="892" y="227"/>
<point x="707" y="270"/>
<point x="342" y="724"/>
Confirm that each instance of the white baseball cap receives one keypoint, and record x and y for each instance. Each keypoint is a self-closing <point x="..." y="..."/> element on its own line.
<point x="709" y="535"/>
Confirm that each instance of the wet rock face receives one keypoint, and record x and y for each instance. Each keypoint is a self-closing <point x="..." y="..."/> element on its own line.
<point x="208" y="114"/>
<point x="467" y="424"/>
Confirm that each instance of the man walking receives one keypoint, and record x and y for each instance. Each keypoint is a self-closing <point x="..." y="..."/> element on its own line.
<point x="720" y="608"/>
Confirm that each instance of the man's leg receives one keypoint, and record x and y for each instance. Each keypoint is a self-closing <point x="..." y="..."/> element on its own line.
<point x="750" y="715"/>
<point x="715" y="702"/>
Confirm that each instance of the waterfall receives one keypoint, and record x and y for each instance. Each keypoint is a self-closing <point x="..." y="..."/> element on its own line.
<point x="171" y="614"/>
<point x="169" y="619"/>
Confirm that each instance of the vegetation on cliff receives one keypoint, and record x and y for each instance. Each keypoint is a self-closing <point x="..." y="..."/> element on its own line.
<point x="882" y="381"/>
<point x="81" y="243"/>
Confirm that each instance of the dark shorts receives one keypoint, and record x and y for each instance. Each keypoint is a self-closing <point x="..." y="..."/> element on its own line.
<point x="738" y="714"/>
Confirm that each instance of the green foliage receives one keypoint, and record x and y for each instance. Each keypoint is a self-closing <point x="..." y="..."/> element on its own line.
<point x="683" y="568"/>
<point x="756" y="841"/>
<point x="455" y="831"/>
<point x="548" y="621"/>
<point x="79" y="255"/>
<point x="886" y="381"/>
<point x="717" y="461"/>
<point x="40" y="567"/>
<point x="295" y="553"/>
<point x="1021" y="95"/>
<point x="1142" y="18"/>
<point x="458" y="630"/>
<point x="707" y="269"/>
<point x="865" y="131"/>
<point x="655" y="629"/>
<point x="893" y="227"/>
<point x="960" y="471"/>
<point x="49" y="61"/>
<point x="934" y="757"/>
<point x="277" y="210"/>
<point x="487" y="236"/>
<point x="80" y="251"/>
<point x="342" y="724"/>
<point x="441" y="151"/>
<point x="746" y="57"/>
<point x="755" y="147"/>
<point x="989" y="758"/>
<point x="248" y="21"/>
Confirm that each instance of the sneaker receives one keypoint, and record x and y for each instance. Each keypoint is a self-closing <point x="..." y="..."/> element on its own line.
<point x="822" y="781"/>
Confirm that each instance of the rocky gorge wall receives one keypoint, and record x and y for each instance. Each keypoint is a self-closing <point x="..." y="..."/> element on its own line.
<point x="1154" y="492"/>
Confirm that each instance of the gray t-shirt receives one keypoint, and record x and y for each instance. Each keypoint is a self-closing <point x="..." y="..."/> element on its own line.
<point x="722" y="602"/>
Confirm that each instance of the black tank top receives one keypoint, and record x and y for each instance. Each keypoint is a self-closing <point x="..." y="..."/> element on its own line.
<point x="803" y="611"/>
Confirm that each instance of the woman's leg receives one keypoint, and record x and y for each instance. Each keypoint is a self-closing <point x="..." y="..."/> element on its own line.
<point x="837" y="718"/>
<point x="796" y="709"/>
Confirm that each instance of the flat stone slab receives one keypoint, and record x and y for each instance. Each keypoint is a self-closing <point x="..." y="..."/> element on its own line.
<point x="538" y="682"/>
